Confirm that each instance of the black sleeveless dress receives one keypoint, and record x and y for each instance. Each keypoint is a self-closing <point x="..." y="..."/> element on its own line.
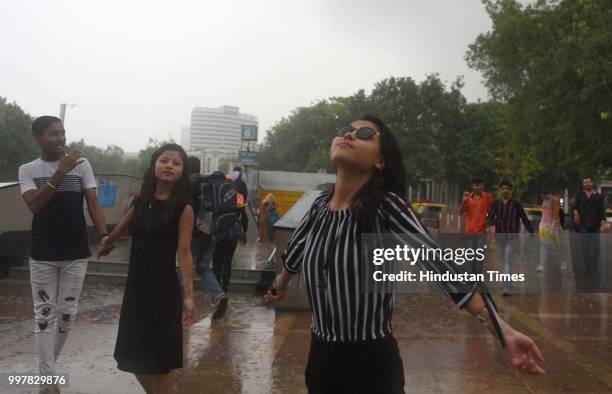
<point x="150" y="338"/>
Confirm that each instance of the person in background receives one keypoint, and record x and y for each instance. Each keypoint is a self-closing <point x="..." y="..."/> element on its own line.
<point x="53" y="187"/>
<point x="268" y="215"/>
<point x="550" y="231"/>
<point x="243" y="201"/>
<point x="202" y="245"/>
<point x="476" y="205"/>
<point x="225" y="248"/>
<point x="590" y="215"/>
<point x="503" y="221"/>
<point x="241" y="186"/>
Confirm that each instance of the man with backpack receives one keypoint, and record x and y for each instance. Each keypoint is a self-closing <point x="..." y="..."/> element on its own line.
<point x="241" y="187"/>
<point x="202" y="244"/>
<point x="225" y="208"/>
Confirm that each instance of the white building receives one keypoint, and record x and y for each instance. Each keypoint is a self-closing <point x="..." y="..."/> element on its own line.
<point x="217" y="128"/>
<point x="216" y="133"/>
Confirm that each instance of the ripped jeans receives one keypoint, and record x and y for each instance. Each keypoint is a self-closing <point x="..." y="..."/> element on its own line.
<point x="56" y="286"/>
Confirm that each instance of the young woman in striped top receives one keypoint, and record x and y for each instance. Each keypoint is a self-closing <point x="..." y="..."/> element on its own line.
<point x="352" y="349"/>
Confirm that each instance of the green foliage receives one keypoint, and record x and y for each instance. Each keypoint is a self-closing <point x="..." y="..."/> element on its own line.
<point x="144" y="155"/>
<point x="550" y="62"/>
<point x="439" y="134"/>
<point x="103" y="161"/>
<point x="17" y="145"/>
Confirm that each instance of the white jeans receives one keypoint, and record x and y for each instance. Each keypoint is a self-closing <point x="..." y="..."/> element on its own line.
<point x="56" y="286"/>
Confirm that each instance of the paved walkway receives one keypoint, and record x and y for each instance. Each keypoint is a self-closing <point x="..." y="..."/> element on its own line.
<point x="255" y="349"/>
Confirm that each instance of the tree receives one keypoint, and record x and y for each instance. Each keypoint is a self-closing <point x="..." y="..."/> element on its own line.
<point x="17" y="145"/>
<point x="144" y="155"/>
<point x="103" y="161"/>
<point x="439" y="134"/>
<point x="549" y="61"/>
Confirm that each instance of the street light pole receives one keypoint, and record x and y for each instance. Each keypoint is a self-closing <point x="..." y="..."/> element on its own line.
<point x="62" y="113"/>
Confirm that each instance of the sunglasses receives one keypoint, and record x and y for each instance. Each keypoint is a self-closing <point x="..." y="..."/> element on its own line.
<point x="363" y="133"/>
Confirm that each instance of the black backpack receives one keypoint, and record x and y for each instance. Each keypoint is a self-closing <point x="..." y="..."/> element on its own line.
<point x="218" y="215"/>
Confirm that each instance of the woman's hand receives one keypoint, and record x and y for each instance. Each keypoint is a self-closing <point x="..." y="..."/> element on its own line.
<point x="189" y="312"/>
<point x="522" y="353"/>
<point x="271" y="298"/>
<point x="104" y="248"/>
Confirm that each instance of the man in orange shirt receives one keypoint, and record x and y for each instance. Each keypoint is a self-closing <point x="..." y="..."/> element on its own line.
<point x="476" y="206"/>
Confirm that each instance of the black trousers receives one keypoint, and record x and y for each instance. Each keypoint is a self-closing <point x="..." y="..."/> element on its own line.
<point x="370" y="367"/>
<point x="589" y="235"/>
<point x="222" y="262"/>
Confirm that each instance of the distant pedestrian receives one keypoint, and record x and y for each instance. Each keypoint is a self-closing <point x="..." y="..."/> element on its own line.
<point x="202" y="245"/>
<point x="150" y="338"/>
<point x="225" y="246"/>
<point x="504" y="222"/>
<point x="550" y="229"/>
<point x="238" y="177"/>
<point x="268" y="215"/>
<point x="53" y="187"/>
<point x="590" y="215"/>
<point x="476" y="205"/>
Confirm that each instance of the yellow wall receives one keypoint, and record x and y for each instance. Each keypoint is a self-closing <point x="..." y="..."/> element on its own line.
<point x="284" y="199"/>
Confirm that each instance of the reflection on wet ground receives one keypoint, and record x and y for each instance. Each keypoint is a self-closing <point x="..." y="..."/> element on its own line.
<point x="252" y="256"/>
<point x="255" y="349"/>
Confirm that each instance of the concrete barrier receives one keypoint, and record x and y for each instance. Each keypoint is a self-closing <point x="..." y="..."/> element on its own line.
<point x="115" y="192"/>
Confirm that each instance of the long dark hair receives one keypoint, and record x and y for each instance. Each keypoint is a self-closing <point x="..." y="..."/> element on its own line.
<point x="180" y="189"/>
<point x="392" y="178"/>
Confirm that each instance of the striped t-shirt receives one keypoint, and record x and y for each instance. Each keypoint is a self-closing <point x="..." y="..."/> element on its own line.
<point x="342" y="310"/>
<point x="59" y="231"/>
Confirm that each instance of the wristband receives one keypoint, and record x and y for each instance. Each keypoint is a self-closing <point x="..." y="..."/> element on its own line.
<point x="51" y="185"/>
<point x="484" y="317"/>
<point x="279" y="285"/>
<point x="487" y="320"/>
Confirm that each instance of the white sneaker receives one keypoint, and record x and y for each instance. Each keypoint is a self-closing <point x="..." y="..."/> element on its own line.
<point x="564" y="265"/>
<point x="540" y="268"/>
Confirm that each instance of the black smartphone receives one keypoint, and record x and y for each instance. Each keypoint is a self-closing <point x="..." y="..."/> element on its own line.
<point x="272" y="290"/>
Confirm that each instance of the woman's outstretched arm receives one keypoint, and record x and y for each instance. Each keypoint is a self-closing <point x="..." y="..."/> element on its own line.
<point x="108" y="242"/>
<point x="522" y="352"/>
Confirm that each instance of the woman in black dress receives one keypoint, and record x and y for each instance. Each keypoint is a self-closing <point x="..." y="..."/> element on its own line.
<point x="150" y="337"/>
<point x="352" y="349"/>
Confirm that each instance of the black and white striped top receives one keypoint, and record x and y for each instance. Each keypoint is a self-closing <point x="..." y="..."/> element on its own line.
<point x="341" y="309"/>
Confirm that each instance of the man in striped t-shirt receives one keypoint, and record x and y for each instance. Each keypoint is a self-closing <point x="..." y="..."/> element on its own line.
<point x="503" y="221"/>
<point x="53" y="187"/>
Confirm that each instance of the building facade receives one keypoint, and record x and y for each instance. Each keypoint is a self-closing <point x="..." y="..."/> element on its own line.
<point x="217" y="129"/>
<point x="215" y="134"/>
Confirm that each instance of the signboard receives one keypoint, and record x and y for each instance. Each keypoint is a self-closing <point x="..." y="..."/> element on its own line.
<point x="248" y="133"/>
<point x="284" y="199"/>
<point x="107" y="192"/>
<point x="248" y="158"/>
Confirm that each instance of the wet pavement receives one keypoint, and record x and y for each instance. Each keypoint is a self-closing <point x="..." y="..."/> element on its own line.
<point x="255" y="349"/>
<point x="251" y="256"/>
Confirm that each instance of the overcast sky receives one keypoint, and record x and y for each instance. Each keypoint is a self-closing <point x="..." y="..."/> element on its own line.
<point x="136" y="69"/>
